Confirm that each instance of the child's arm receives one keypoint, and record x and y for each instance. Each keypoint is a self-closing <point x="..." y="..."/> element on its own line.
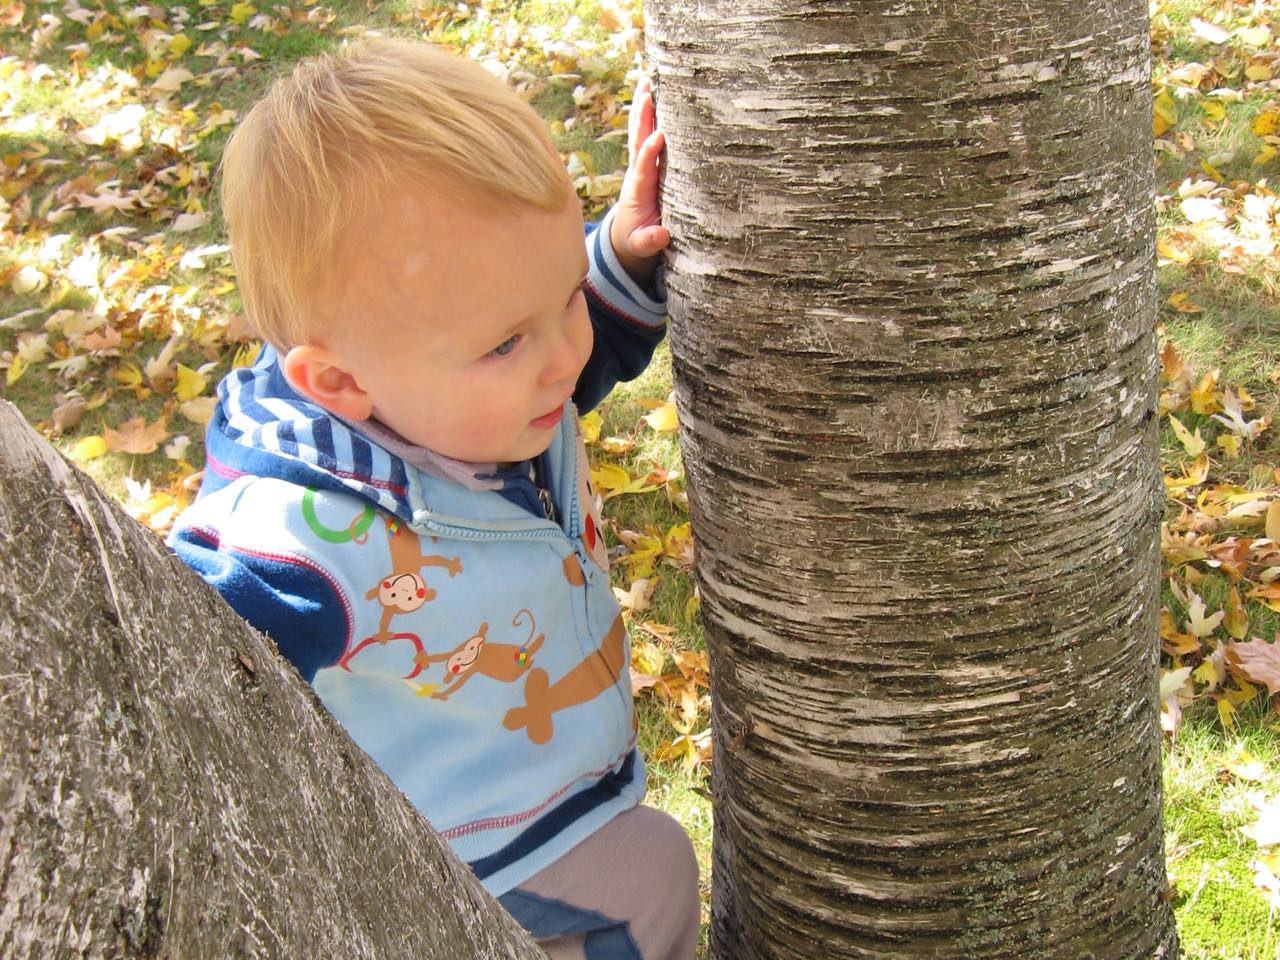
<point x="625" y="294"/>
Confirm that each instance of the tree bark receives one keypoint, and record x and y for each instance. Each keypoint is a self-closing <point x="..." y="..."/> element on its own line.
<point x="170" y="787"/>
<point x="913" y="315"/>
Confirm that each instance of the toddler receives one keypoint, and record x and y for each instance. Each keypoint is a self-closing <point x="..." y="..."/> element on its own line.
<point x="397" y="493"/>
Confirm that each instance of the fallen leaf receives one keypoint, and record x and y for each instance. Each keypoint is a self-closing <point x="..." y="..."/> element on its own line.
<point x="68" y="413"/>
<point x="172" y="79"/>
<point x="663" y="419"/>
<point x="1237" y="619"/>
<point x="1193" y="444"/>
<point x="186" y="222"/>
<point x="1203" y="396"/>
<point x="200" y="410"/>
<point x="1267" y="122"/>
<point x="88" y="448"/>
<point x="1197" y="622"/>
<point x="1265" y="831"/>
<point x="136" y="436"/>
<point x="1210" y="32"/>
<point x="1172" y="683"/>
<point x="1256" y="661"/>
<point x="1171" y="363"/>
<point x="1273" y="521"/>
<point x="1245" y="767"/>
<point x="190" y="384"/>
<point x="1259" y="36"/>
<point x="590" y="424"/>
<point x="636" y="597"/>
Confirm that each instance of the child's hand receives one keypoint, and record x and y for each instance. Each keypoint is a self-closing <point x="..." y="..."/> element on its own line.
<point x="637" y="233"/>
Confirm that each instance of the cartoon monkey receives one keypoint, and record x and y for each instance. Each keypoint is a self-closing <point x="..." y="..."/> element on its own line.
<point x="403" y="590"/>
<point x="597" y="673"/>
<point x="497" y="661"/>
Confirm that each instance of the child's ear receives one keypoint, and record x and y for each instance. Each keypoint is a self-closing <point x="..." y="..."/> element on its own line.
<point x="314" y="372"/>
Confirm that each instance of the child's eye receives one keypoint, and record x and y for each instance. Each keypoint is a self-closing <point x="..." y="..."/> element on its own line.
<point x="506" y="346"/>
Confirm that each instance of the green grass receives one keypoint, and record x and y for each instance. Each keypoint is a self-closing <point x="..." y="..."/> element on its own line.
<point x="1221" y="915"/>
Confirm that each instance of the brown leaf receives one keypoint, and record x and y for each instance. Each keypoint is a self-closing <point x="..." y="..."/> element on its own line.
<point x="67" y="414"/>
<point x="1257" y="661"/>
<point x="136" y="436"/>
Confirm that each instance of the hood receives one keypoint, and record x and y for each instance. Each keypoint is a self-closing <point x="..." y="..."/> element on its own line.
<point x="262" y="427"/>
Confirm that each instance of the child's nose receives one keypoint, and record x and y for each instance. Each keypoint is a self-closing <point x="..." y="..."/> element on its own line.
<point x="568" y="352"/>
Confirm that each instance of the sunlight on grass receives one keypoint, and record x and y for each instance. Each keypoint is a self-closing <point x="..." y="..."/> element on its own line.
<point x="1209" y="780"/>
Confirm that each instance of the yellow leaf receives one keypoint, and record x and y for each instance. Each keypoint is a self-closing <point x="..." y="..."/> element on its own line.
<point x="191" y="383"/>
<point x="240" y="12"/>
<point x="1255" y="36"/>
<point x="1226" y="714"/>
<point x="200" y="410"/>
<point x="1218" y="111"/>
<point x="1193" y="444"/>
<point x="692" y="607"/>
<point x="16" y="369"/>
<point x="1265" y="154"/>
<point x="246" y="354"/>
<point x="88" y="448"/>
<point x="1273" y="521"/>
<point x="682" y="748"/>
<point x="1237" y="619"/>
<point x="1209" y="674"/>
<point x="179" y="44"/>
<point x="663" y="419"/>
<point x="128" y="374"/>
<point x="1229" y="443"/>
<point x="646" y="656"/>
<point x="1258" y="72"/>
<point x="1203" y="399"/>
<point x="1242" y="766"/>
<point x="1169" y="252"/>
<point x="1182" y="302"/>
<point x="590" y="424"/>
<point x="1266" y="122"/>
<point x="1194" y="475"/>
<point x="1166" y="114"/>
<point x="610" y="480"/>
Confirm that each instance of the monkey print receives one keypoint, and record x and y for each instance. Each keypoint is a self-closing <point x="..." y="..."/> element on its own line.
<point x="601" y="669"/>
<point x="404" y="590"/>
<point x="497" y="661"/>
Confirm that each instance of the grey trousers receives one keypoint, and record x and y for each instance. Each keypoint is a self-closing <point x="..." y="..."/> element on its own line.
<point x="627" y="892"/>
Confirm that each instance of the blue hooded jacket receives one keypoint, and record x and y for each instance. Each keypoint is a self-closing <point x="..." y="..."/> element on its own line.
<point x="472" y="647"/>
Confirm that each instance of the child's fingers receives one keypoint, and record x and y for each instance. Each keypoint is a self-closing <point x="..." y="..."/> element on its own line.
<point x="644" y="167"/>
<point x="641" y="121"/>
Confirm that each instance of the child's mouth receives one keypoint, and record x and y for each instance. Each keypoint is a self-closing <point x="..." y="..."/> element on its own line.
<point x="547" y="419"/>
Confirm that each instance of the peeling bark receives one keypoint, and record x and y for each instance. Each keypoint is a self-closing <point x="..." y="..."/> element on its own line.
<point x="169" y="786"/>
<point x="913" y="314"/>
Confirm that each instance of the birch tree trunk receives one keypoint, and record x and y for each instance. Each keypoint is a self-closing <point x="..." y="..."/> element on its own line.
<point x="169" y="787"/>
<point x="913" y="314"/>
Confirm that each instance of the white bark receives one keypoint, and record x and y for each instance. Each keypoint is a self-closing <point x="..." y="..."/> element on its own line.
<point x="169" y="786"/>
<point x="913" y="329"/>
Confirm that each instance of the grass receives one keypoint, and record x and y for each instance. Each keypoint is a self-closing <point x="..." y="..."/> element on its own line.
<point x="1221" y="915"/>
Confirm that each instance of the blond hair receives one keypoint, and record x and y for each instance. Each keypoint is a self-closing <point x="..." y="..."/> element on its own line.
<point x="328" y="138"/>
